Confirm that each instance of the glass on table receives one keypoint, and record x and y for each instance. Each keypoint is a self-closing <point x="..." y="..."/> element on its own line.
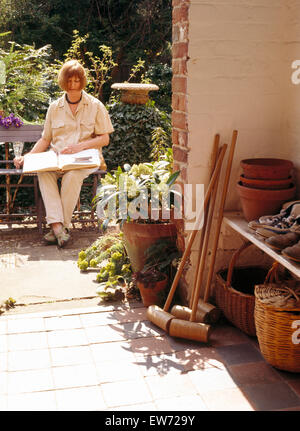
<point x="18" y="148"/>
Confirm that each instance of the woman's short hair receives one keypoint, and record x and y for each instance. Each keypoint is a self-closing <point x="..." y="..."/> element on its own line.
<point x="69" y="69"/>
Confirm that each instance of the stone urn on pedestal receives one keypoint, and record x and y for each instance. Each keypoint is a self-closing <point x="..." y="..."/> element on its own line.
<point x="135" y="94"/>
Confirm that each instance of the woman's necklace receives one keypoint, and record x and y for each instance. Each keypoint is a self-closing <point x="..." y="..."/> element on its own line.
<point x="73" y="103"/>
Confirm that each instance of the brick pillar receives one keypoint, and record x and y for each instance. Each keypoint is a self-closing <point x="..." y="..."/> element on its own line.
<point x="179" y="96"/>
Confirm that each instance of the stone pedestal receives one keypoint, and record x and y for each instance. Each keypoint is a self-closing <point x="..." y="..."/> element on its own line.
<point x="134" y="93"/>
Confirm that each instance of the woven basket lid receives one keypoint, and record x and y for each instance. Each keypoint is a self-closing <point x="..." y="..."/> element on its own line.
<point x="283" y="295"/>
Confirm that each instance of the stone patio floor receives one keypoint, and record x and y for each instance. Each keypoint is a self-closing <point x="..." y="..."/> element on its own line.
<point x="64" y="352"/>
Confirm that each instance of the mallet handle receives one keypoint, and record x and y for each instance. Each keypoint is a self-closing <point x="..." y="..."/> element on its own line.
<point x="195" y="230"/>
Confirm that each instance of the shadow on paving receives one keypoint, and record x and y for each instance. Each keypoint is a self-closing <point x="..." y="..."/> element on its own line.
<point x="29" y="242"/>
<point x="33" y="272"/>
<point x="225" y="370"/>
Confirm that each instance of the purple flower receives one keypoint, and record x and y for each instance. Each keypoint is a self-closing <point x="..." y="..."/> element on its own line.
<point x="10" y="120"/>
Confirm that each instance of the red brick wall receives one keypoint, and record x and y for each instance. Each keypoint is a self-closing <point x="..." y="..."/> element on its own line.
<point x="179" y="85"/>
<point x="179" y="95"/>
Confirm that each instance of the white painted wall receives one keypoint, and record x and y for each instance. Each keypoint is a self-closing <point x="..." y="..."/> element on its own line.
<point x="291" y="105"/>
<point x="239" y="77"/>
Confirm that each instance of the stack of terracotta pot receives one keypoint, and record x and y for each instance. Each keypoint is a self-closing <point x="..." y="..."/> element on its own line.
<point x="264" y="186"/>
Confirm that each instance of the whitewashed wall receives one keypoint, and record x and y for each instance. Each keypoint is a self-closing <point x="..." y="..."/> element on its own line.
<point x="239" y="77"/>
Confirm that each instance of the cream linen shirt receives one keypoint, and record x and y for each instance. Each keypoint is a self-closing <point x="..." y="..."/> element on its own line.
<point x="62" y="128"/>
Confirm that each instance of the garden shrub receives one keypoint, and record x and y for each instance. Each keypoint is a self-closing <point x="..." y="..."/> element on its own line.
<point x="29" y="81"/>
<point x="161" y="75"/>
<point x="131" y="141"/>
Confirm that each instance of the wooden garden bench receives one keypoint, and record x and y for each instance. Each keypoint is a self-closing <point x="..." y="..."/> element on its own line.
<point x="31" y="133"/>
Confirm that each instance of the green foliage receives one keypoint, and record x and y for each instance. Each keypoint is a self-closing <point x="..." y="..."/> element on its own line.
<point x="160" y="141"/>
<point x="28" y="88"/>
<point x="98" y="68"/>
<point x="142" y="193"/>
<point x="161" y="75"/>
<point x="136" y="70"/>
<point x="135" y="29"/>
<point x="29" y="82"/>
<point x="131" y="142"/>
<point x="161" y="256"/>
<point x="161" y="259"/>
<point x="108" y="255"/>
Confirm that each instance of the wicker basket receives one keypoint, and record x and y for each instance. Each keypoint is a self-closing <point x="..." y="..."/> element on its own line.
<point x="234" y="292"/>
<point x="277" y="320"/>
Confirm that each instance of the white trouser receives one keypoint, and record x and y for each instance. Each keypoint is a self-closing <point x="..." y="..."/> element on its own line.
<point x="60" y="205"/>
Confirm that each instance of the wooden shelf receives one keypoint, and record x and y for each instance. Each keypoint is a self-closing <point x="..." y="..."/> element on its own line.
<point x="236" y="222"/>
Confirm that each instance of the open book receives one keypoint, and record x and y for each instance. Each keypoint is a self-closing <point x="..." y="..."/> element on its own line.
<point x="51" y="161"/>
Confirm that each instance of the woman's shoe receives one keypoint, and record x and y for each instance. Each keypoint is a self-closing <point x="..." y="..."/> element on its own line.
<point x="62" y="237"/>
<point x="50" y="238"/>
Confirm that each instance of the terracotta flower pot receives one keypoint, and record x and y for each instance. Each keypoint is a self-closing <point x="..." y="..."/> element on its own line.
<point x="258" y="183"/>
<point x="258" y="202"/>
<point x="138" y="237"/>
<point x="150" y="294"/>
<point x="266" y="168"/>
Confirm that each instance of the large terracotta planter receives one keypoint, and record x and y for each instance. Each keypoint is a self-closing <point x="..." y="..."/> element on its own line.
<point x="150" y="294"/>
<point x="258" y="202"/>
<point x="138" y="237"/>
<point x="266" y="168"/>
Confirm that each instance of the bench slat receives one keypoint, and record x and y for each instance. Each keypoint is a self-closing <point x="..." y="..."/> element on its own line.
<point x="11" y="171"/>
<point x="25" y="133"/>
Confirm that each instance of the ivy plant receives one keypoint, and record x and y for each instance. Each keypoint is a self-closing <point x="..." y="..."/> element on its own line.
<point x="131" y="141"/>
<point x="161" y="75"/>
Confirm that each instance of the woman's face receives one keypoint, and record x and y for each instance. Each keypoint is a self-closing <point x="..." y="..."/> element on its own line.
<point x="74" y="83"/>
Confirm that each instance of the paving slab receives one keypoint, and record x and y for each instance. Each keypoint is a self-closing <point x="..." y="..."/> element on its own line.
<point x="32" y="272"/>
<point x="53" y="360"/>
<point x="65" y="350"/>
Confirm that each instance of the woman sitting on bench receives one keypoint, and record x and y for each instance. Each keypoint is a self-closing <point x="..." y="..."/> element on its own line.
<point x="75" y="122"/>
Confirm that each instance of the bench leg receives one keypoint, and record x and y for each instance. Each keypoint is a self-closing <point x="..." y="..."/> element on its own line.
<point x="40" y="209"/>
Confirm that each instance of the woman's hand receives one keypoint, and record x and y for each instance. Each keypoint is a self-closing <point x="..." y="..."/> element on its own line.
<point x="71" y="149"/>
<point x="18" y="162"/>
<point x="98" y="141"/>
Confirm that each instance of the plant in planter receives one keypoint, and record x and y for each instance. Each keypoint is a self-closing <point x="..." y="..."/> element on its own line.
<point x="150" y="283"/>
<point x="142" y="199"/>
<point x="161" y="260"/>
<point x="162" y="256"/>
